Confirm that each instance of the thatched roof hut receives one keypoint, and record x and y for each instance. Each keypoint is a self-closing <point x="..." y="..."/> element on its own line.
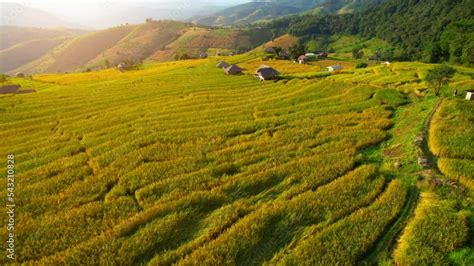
<point x="20" y="75"/>
<point x="334" y="68"/>
<point x="222" y="64"/>
<point x="232" y="70"/>
<point x="9" y="89"/>
<point x="265" y="72"/>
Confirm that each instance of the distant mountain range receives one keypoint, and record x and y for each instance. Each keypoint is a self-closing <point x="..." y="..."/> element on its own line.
<point x="98" y="15"/>
<point x="13" y="14"/>
<point x="262" y="10"/>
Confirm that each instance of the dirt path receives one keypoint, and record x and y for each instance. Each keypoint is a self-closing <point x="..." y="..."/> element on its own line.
<point x="405" y="152"/>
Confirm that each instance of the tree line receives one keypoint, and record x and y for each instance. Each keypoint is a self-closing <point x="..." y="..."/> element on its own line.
<point x="422" y="30"/>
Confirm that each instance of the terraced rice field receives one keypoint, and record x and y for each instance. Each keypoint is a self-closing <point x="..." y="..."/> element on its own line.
<point x="451" y="140"/>
<point x="180" y="164"/>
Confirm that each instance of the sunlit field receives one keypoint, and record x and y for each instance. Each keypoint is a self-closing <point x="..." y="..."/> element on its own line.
<point x="178" y="163"/>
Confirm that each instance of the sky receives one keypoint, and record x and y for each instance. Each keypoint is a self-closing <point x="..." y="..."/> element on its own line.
<point x="80" y="11"/>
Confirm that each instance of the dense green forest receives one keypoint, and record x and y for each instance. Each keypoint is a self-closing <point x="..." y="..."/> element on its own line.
<point x="430" y="31"/>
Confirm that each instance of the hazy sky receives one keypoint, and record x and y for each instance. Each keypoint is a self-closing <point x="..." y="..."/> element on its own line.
<point x="80" y="11"/>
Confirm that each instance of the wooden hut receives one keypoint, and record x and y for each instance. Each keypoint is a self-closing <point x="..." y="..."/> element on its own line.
<point x="265" y="72"/>
<point x="222" y="64"/>
<point x="232" y="70"/>
<point x="9" y="89"/>
<point x="334" y="68"/>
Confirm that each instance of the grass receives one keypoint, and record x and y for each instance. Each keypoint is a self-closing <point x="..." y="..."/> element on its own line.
<point x="177" y="163"/>
<point x="428" y="240"/>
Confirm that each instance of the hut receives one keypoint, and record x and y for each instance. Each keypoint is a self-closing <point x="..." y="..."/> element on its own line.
<point x="122" y="67"/>
<point x="386" y="63"/>
<point x="9" y="89"/>
<point x="232" y="70"/>
<point x="20" y="75"/>
<point x="470" y="95"/>
<point x="265" y="72"/>
<point x="203" y="55"/>
<point x="302" y="59"/>
<point x="269" y="50"/>
<point x="334" y="68"/>
<point x="322" y="55"/>
<point x="222" y="64"/>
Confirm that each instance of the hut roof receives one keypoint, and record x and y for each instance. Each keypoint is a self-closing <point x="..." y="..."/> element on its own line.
<point x="232" y="70"/>
<point x="9" y="89"/>
<point x="335" y="67"/>
<point x="267" y="72"/>
<point x="20" y="75"/>
<point x="222" y="64"/>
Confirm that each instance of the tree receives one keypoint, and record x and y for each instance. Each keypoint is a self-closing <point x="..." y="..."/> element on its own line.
<point x="362" y="65"/>
<point x="277" y="50"/>
<point x="439" y="76"/>
<point x="3" y="78"/>
<point x="296" y="51"/>
<point x="357" y="53"/>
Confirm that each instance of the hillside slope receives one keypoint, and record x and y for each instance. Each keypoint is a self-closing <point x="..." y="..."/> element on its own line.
<point x="157" y="40"/>
<point x="255" y="11"/>
<point x="247" y="13"/>
<point x="25" y="52"/>
<point x="178" y="163"/>
<point x="140" y="43"/>
<point x="12" y="35"/>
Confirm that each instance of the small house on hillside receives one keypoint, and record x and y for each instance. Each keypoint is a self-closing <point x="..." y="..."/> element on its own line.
<point x="269" y="50"/>
<point x="302" y="59"/>
<point x="322" y="55"/>
<point x="232" y="70"/>
<point x="334" y="68"/>
<point x="20" y="75"/>
<point x="9" y="89"/>
<point x="122" y="67"/>
<point x="470" y="95"/>
<point x="265" y="72"/>
<point x="222" y="64"/>
<point x="203" y="55"/>
<point x="386" y="63"/>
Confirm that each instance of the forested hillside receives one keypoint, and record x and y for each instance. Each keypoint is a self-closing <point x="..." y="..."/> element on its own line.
<point x="257" y="11"/>
<point x="418" y="30"/>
